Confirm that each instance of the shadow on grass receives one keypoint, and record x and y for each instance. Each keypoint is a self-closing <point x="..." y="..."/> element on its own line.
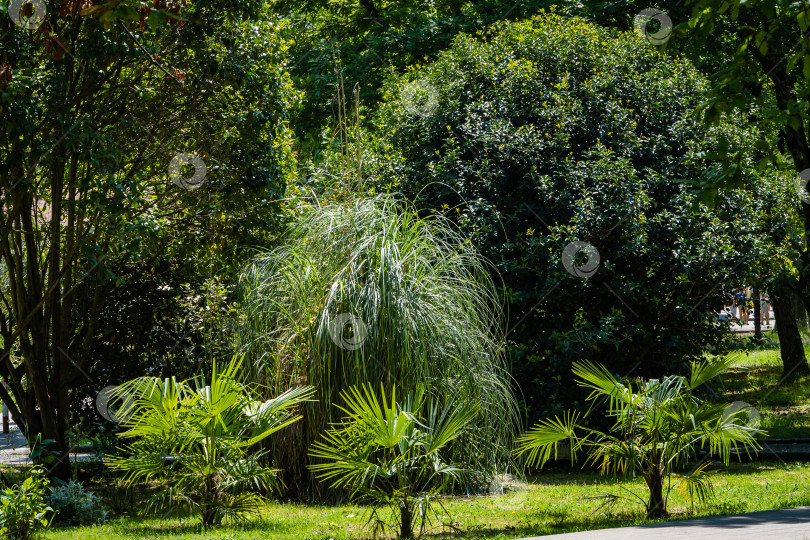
<point x="785" y="408"/>
<point x="551" y="522"/>
<point x="155" y="528"/>
<point x="759" y="381"/>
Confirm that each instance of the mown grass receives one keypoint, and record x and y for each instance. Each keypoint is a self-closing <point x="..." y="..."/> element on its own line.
<point x="554" y="502"/>
<point x="756" y="379"/>
<point x="561" y="500"/>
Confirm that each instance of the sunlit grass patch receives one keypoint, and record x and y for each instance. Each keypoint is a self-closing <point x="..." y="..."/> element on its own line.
<point x="564" y="500"/>
<point x="784" y="406"/>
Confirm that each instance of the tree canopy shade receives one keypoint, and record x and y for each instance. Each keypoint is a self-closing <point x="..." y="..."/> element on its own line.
<point x="366" y="292"/>
<point x="767" y="43"/>
<point x="97" y="104"/>
<point x="544" y="133"/>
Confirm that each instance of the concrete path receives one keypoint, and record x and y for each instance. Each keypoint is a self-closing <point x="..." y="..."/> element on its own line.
<point x="746" y="328"/>
<point x="749" y="327"/>
<point x="790" y="524"/>
<point x="14" y="448"/>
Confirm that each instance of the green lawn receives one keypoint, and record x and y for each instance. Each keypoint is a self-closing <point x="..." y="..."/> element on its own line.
<point x="784" y="410"/>
<point x="554" y="502"/>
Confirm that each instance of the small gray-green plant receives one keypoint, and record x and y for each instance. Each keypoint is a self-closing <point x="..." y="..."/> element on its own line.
<point x="77" y="506"/>
<point x="23" y="510"/>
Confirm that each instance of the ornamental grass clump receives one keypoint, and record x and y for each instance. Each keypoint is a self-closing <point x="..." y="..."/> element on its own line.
<point x="368" y="291"/>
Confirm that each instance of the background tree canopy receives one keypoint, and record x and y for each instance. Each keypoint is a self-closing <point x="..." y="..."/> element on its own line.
<point x="371" y="40"/>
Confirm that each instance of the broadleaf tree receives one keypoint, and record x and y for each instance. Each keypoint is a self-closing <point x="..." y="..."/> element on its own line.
<point x="110" y="111"/>
<point x="767" y="77"/>
<point x="545" y="133"/>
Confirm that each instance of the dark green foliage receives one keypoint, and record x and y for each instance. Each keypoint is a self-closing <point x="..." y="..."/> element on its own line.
<point x="554" y="131"/>
<point x="373" y="38"/>
<point x="96" y="104"/>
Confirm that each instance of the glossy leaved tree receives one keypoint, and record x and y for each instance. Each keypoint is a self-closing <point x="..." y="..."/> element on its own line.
<point x="542" y="136"/>
<point x="372" y="38"/>
<point x="98" y="101"/>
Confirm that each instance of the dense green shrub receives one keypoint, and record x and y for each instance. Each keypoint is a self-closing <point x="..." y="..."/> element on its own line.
<point x="74" y="505"/>
<point x="23" y="510"/>
<point x="552" y="131"/>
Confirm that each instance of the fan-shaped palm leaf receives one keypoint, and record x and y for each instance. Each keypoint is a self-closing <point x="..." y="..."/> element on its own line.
<point x="659" y="426"/>
<point x="391" y="453"/>
<point x="192" y="437"/>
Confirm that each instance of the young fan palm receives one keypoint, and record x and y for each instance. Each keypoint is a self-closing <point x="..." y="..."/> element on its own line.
<point x="660" y="427"/>
<point x="390" y="454"/>
<point x="193" y="438"/>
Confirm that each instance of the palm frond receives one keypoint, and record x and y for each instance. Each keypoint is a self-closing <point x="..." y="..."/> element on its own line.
<point x="697" y="484"/>
<point x="601" y="381"/>
<point x="204" y="429"/>
<point x="447" y="423"/>
<point x="725" y="434"/>
<point x="708" y="370"/>
<point x="543" y="439"/>
<point x="386" y="461"/>
<point x="659" y="427"/>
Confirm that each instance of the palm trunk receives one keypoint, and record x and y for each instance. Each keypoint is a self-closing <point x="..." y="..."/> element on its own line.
<point x="208" y="508"/>
<point x="406" y="520"/>
<point x="656" y="507"/>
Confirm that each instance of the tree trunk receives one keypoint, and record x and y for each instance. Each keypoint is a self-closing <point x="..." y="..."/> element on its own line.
<point x="406" y="520"/>
<point x="799" y="311"/>
<point x="795" y="138"/>
<point x="757" y="315"/>
<point x="790" y="342"/>
<point x="656" y="507"/>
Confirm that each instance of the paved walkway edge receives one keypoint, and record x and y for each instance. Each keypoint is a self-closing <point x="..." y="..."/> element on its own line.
<point x="788" y="524"/>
